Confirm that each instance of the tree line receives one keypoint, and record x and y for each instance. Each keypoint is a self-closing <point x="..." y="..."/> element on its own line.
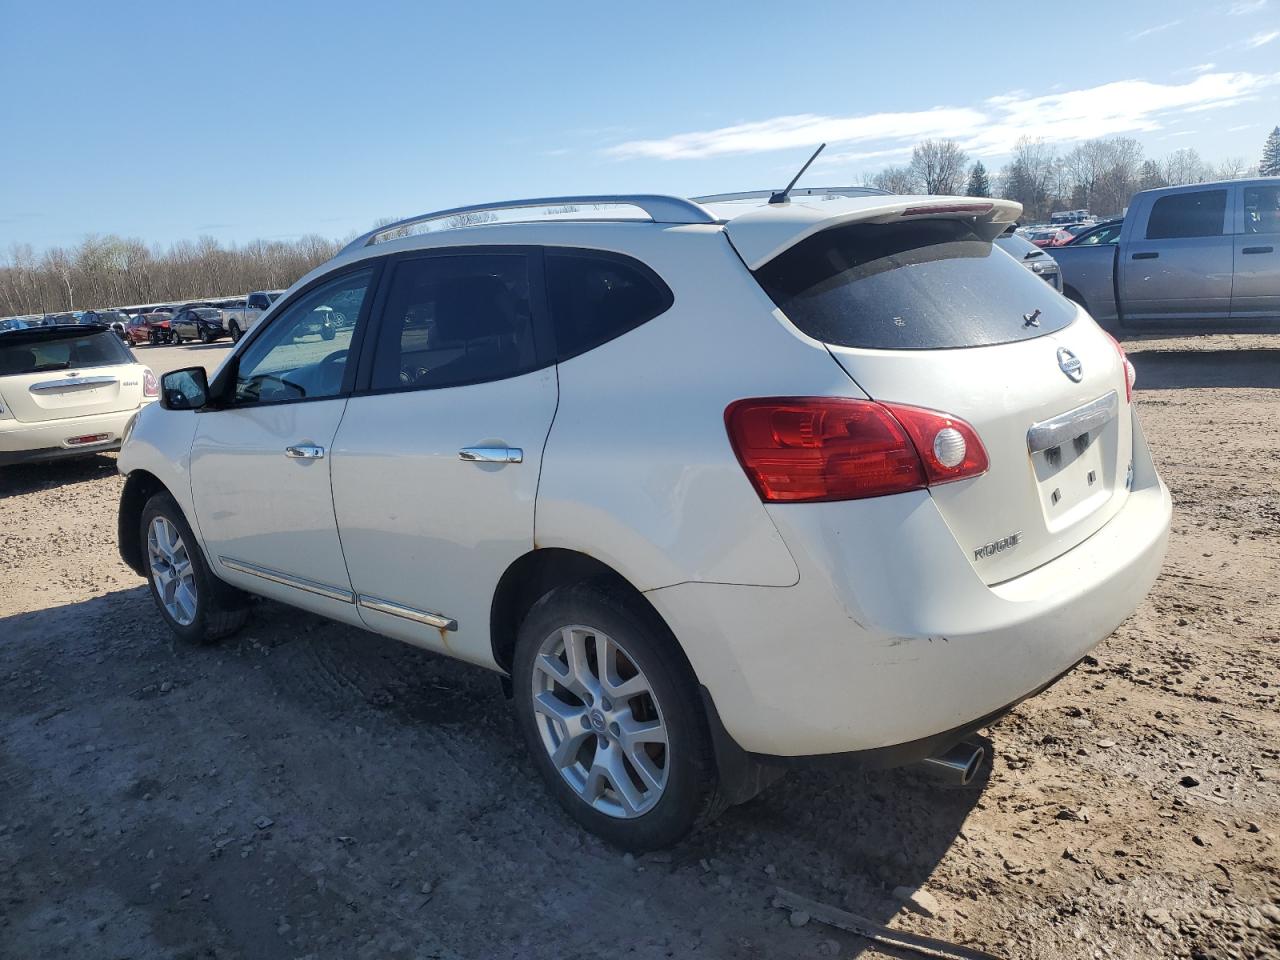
<point x="1097" y="175"/>
<point x="117" y="272"/>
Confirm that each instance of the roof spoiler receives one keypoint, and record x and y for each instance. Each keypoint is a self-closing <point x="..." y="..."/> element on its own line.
<point x="766" y="232"/>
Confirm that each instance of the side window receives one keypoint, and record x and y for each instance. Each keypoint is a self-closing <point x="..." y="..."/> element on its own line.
<point x="595" y="297"/>
<point x="455" y="319"/>
<point x="303" y="354"/>
<point x="1262" y="210"/>
<point x="1196" y="214"/>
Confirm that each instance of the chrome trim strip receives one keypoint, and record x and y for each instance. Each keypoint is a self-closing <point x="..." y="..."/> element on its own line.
<point x="47" y="386"/>
<point x="436" y="620"/>
<point x="301" y="583"/>
<point x="1066" y="426"/>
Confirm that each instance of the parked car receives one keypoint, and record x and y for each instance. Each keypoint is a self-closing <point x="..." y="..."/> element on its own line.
<point x="1047" y="236"/>
<point x="203" y="323"/>
<point x="1105" y="232"/>
<point x="114" y="319"/>
<point x="811" y="481"/>
<point x="1031" y="257"/>
<point x="239" y="319"/>
<point x="67" y="391"/>
<point x="1199" y="257"/>
<point x="14" y="323"/>
<point x="156" y="326"/>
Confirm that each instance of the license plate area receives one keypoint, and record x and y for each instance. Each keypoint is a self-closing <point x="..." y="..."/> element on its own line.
<point x="1074" y="458"/>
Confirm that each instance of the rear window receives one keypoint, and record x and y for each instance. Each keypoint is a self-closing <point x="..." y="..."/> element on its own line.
<point x="917" y="285"/>
<point x="31" y="355"/>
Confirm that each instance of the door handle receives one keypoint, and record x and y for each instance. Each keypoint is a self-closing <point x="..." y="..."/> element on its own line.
<point x="1257" y="250"/>
<point x="1147" y="255"/>
<point x="304" y="451"/>
<point x="491" y="454"/>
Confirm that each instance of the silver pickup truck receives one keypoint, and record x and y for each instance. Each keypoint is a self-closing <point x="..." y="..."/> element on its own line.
<point x="241" y="317"/>
<point x="1205" y="256"/>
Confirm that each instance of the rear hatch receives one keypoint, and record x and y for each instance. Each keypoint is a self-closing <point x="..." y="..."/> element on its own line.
<point x="50" y="373"/>
<point x="924" y="310"/>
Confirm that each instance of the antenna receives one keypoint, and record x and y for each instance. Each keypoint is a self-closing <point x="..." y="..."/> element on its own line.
<point x="781" y="195"/>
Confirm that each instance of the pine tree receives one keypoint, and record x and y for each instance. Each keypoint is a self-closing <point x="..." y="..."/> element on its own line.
<point x="979" y="183"/>
<point x="1270" y="165"/>
<point x="1150" y="177"/>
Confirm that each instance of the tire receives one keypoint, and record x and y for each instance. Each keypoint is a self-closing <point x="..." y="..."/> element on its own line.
<point x="235" y="332"/>
<point x="681" y="793"/>
<point x="206" y="336"/>
<point x="328" y="333"/>
<point x="207" y="609"/>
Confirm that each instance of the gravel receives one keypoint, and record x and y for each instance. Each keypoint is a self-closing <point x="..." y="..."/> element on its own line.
<point x="135" y="771"/>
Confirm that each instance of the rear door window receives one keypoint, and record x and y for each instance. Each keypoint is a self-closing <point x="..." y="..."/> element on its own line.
<point x="1200" y="213"/>
<point x="915" y="285"/>
<point x="598" y="296"/>
<point x="454" y="319"/>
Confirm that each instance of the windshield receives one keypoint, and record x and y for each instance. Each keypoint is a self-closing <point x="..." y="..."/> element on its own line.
<point x="914" y="285"/>
<point x="28" y="355"/>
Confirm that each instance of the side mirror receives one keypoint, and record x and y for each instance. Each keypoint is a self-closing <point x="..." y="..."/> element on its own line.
<point x="186" y="389"/>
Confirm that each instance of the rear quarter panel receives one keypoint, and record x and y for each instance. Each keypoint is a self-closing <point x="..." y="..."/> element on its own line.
<point x="638" y="470"/>
<point x="1088" y="277"/>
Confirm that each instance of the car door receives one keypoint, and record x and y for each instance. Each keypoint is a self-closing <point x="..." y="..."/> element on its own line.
<point x="435" y="465"/>
<point x="1256" y="292"/>
<point x="260" y="465"/>
<point x="1178" y="262"/>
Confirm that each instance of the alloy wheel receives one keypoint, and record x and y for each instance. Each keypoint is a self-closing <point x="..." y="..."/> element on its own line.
<point x="171" y="570"/>
<point x="600" y="722"/>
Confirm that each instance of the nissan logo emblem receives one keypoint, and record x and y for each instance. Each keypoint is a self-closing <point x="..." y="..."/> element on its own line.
<point x="1070" y="365"/>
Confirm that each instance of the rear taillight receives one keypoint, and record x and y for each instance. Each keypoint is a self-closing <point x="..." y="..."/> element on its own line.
<point x="1130" y="374"/>
<point x="150" y="385"/>
<point x="806" y="449"/>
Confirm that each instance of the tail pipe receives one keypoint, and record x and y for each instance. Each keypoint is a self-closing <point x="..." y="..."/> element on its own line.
<point x="958" y="766"/>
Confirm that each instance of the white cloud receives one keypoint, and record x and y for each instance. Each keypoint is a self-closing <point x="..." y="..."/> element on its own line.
<point x="803" y="130"/>
<point x="1199" y="68"/>
<point x="1158" y="28"/>
<point x="1125" y="106"/>
<point x="1261" y="39"/>
<point x="1243" y="7"/>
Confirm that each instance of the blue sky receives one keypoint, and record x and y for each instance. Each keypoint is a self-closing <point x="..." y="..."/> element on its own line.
<point x="238" y="120"/>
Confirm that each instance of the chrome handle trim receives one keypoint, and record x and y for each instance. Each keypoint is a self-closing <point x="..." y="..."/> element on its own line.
<point x="491" y="454"/>
<point x="1067" y="426"/>
<point x="304" y="451"/>
<point x="47" y="386"/>
<point x="437" y="620"/>
<point x="1257" y="250"/>
<point x="301" y="583"/>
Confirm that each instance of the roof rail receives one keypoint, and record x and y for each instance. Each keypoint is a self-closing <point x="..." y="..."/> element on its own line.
<point x="660" y="209"/>
<point x="795" y="191"/>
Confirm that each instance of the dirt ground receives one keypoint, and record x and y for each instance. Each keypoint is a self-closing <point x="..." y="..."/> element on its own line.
<point x="309" y="790"/>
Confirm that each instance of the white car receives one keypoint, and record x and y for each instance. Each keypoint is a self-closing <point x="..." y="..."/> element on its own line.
<point x="718" y="488"/>
<point x="67" y="391"/>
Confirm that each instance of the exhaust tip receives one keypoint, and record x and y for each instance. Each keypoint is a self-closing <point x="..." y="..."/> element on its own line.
<point x="957" y="766"/>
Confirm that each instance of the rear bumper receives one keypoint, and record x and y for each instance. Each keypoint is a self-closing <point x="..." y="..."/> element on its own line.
<point x="890" y="639"/>
<point x="47" y="440"/>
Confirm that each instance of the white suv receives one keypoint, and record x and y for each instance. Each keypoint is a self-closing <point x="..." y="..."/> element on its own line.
<point x="718" y="487"/>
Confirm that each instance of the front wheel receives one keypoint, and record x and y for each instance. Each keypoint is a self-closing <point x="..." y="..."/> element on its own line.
<point x="196" y="605"/>
<point x="610" y="712"/>
<point x="206" y="336"/>
<point x="235" y="332"/>
<point x="327" y="333"/>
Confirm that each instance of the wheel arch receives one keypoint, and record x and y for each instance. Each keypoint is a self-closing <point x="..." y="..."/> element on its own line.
<point x="1072" y="294"/>
<point x="535" y="574"/>
<point x="139" y="487"/>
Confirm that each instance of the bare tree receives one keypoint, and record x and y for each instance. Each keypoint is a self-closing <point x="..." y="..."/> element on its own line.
<point x="902" y="180"/>
<point x="1186" y="166"/>
<point x="1233" y="168"/>
<point x="940" y="165"/>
